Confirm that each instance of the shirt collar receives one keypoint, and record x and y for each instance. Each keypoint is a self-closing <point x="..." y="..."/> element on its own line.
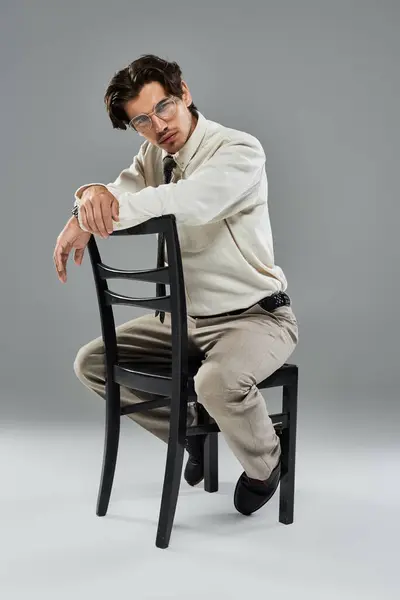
<point x="184" y="155"/>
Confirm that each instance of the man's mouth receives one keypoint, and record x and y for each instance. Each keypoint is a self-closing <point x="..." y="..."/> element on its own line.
<point x="169" y="138"/>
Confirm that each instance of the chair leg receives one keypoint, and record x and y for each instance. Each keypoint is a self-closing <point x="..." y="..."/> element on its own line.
<point x="211" y="463"/>
<point x="288" y="448"/>
<point x="173" y="473"/>
<point x="111" y="441"/>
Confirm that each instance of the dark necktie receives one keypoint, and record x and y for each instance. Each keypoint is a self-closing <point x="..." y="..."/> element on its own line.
<point x="168" y="166"/>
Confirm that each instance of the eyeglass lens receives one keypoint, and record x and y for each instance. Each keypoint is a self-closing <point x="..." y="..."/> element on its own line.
<point x="164" y="110"/>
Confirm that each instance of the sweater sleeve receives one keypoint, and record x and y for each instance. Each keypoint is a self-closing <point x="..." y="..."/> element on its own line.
<point x="221" y="187"/>
<point x="130" y="180"/>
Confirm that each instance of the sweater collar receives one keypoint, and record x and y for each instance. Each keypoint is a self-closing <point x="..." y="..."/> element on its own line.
<point x="185" y="154"/>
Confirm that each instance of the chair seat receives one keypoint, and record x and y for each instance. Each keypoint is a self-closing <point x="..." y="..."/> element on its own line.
<point x="157" y="379"/>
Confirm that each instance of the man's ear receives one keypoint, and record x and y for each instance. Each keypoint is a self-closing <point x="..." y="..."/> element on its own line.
<point x="187" y="98"/>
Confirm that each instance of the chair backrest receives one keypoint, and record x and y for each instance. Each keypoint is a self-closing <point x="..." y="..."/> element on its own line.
<point x="174" y="303"/>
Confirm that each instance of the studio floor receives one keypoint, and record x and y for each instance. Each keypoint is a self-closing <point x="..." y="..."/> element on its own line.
<point x="342" y="545"/>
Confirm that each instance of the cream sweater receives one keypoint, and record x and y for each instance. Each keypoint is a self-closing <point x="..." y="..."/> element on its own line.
<point x="219" y="196"/>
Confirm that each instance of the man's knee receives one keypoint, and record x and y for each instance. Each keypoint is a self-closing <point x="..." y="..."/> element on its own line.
<point x="215" y="389"/>
<point x="81" y="363"/>
<point x="84" y="361"/>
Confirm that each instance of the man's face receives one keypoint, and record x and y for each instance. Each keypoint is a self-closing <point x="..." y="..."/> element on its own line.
<point x="182" y="123"/>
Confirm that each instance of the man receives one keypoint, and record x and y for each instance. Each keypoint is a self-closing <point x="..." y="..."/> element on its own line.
<point x="213" y="179"/>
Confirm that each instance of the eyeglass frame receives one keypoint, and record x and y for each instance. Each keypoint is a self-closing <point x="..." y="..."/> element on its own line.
<point x="174" y="98"/>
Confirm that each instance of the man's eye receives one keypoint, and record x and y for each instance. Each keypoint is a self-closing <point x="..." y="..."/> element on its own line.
<point x="162" y="105"/>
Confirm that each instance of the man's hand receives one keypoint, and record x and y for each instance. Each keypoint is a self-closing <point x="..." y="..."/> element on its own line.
<point x="98" y="207"/>
<point x="72" y="236"/>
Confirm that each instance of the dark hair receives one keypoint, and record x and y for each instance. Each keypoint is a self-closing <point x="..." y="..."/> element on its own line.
<point x="127" y="83"/>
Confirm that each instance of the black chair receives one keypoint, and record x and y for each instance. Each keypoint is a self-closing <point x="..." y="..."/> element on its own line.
<point x="175" y="384"/>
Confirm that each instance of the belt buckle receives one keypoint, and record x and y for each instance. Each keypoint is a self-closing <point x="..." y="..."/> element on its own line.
<point x="274" y="301"/>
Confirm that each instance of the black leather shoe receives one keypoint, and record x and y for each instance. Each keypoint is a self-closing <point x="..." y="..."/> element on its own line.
<point x="252" y="494"/>
<point x="194" y="470"/>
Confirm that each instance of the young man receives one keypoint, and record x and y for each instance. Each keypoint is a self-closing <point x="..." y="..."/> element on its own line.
<point x="213" y="179"/>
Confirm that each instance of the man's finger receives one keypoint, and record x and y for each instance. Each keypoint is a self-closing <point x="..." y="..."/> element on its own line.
<point x="78" y="255"/>
<point x="107" y="217"/>
<point x="56" y="259"/>
<point x="91" y="224"/>
<point x="115" y="210"/>
<point x="60" y="260"/>
<point x="100" y="215"/>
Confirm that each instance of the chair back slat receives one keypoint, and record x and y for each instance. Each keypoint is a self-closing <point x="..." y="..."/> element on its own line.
<point x="163" y="303"/>
<point x="159" y="275"/>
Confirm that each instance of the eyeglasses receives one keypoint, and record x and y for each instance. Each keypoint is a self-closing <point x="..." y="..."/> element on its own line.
<point x="165" y="110"/>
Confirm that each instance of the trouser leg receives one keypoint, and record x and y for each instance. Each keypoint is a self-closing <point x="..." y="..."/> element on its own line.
<point x="240" y="352"/>
<point x="144" y="338"/>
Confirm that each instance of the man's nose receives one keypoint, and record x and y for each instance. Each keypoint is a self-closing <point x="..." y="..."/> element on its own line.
<point x="158" y="124"/>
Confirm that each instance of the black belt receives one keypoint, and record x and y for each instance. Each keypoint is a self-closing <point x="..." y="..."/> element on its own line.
<point x="269" y="303"/>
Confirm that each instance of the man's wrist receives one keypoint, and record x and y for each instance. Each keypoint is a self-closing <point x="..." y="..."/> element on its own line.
<point x="75" y="217"/>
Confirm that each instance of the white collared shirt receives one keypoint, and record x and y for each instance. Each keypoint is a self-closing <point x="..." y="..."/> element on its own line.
<point x="219" y="196"/>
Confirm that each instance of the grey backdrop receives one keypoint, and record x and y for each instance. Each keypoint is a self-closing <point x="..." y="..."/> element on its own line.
<point x="318" y="83"/>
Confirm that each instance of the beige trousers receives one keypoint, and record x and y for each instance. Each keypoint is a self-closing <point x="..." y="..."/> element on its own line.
<point x="240" y="351"/>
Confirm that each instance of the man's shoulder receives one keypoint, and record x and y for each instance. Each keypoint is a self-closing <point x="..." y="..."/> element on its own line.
<point x="222" y="134"/>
